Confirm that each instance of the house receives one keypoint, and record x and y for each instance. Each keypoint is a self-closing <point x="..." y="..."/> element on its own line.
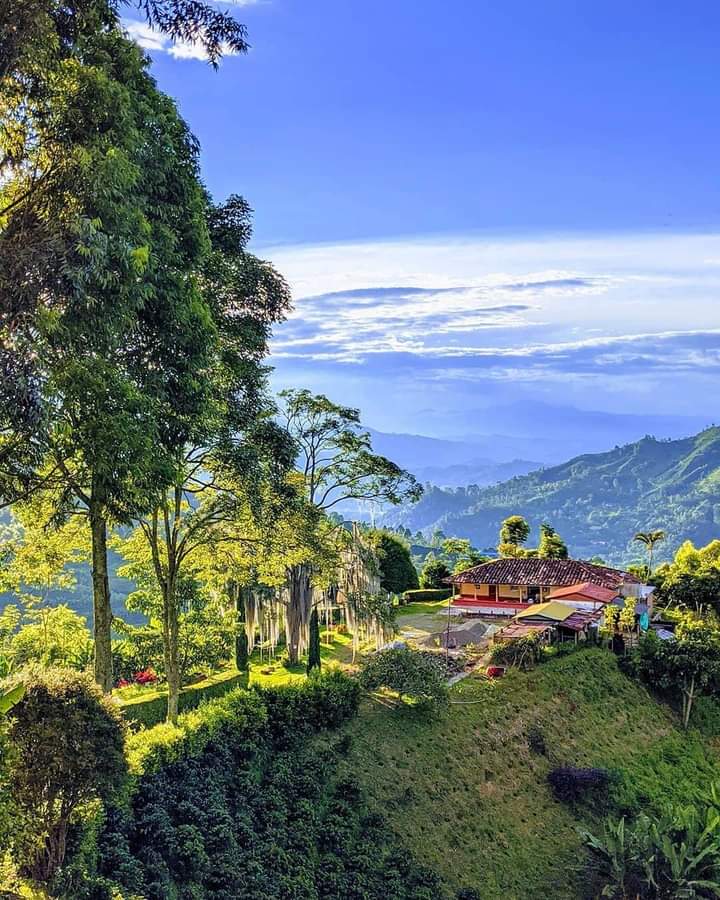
<point x="505" y="587"/>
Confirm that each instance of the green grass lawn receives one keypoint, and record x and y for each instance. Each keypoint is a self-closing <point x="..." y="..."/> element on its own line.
<point x="335" y="649"/>
<point x="470" y="798"/>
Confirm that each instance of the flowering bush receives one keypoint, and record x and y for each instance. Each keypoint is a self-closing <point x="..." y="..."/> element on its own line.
<point x="147" y="676"/>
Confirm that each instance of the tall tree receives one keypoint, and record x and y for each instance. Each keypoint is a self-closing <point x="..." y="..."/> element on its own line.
<point x="514" y="533"/>
<point x="551" y="545"/>
<point x="338" y="466"/>
<point x="233" y="447"/>
<point x="649" y="539"/>
<point x="118" y="332"/>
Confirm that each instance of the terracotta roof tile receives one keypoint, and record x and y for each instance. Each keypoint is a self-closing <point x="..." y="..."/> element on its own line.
<point x="550" y="572"/>
<point x="586" y="591"/>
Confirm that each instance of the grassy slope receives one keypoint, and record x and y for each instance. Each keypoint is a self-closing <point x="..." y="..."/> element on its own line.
<point x="470" y="798"/>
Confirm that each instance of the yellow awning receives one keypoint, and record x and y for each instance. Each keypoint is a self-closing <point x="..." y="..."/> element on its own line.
<point x="556" y="612"/>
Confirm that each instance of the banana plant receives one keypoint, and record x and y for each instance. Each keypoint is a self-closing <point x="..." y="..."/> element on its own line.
<point x="10" y="697"/>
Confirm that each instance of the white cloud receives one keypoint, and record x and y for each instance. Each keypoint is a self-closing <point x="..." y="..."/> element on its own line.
<point x="155" y="42"/>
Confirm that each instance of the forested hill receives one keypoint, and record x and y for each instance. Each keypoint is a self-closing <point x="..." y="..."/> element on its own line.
<point x="597" y="501"/>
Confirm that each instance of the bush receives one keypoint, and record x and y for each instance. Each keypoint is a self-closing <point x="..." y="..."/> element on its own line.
<point x="426" y="595"/>
<point x="323" y="701"/>
<point x="68" y="751"/>
<point x="419" y="676"/>
<point x="523" y="653"/>
<point x="536" y="740"/>
<point x="240" y="716"/>
<point x="237" y="802"/>
<point x="571" y="784"/>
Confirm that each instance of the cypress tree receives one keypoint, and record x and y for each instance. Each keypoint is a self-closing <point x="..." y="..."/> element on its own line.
<point x="241" y="641"/>
<point x="313" y="661"/>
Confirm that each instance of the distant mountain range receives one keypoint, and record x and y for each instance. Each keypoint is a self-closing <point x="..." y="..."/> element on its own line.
<point x="597" y="501"/>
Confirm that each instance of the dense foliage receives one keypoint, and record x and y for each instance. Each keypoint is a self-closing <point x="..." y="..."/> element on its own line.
<point x="397" y="572"/>
<point x="67" y="742"/>
<point x="409" y="673"/>
<point x="524" y="653"/>
<point x="243" y="799"/>
<point x="673" y="854"/>
<point x="434" y="573"/>
<point x="687" y="666"/>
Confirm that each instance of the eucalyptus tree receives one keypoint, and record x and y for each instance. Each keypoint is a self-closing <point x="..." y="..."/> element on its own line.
<point x="109" y="326"/>
<point x="338" y="466"/>
<point x="46" y="29"/>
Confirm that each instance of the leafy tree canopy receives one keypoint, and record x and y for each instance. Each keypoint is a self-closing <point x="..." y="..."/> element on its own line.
<point x="397" y="572"/>
<point x="434" y="572"/>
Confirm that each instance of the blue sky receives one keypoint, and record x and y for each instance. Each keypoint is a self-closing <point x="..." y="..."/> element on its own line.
<point x="478" y="205"/>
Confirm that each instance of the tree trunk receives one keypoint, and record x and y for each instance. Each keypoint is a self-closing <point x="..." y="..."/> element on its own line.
<point x="688" y="698"/>
<point x="171" y="631"/>
<point x="298" y="609"/>
<point x="102" y="611"/>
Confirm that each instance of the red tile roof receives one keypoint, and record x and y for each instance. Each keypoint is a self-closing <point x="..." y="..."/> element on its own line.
<point x="586" y="591"/>
<point x="549" y="572"/>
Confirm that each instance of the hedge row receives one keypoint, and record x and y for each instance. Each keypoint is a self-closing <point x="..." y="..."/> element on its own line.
<point x="253" y="809"/>
<point x="150" y="711"/>
<point x="247" y="797"/>
<point x="426" y="595"/>
<point x="247" y="718"/>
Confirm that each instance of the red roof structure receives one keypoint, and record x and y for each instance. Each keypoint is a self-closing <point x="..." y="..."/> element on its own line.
<point x="587" y="591"/>
<point x="551" y="572"/>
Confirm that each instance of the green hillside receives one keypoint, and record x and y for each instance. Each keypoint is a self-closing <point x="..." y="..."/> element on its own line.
<point x="597" y="501"/>
<point x="469" y="797"/>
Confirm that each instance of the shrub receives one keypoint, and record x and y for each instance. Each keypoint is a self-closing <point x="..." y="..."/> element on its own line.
<point x="536" y="740"/>
<point x="237" y="802"/>
<point x="426" y="595"/>
<point x="239" y="716"/>
<point x="323" y="701"/>
<point x="524" y="653"/>
<point x="68" y="750"/>
<point x="147" y="676"/>
<point x="419" y="676"/>
<point x="571" y="784"/>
